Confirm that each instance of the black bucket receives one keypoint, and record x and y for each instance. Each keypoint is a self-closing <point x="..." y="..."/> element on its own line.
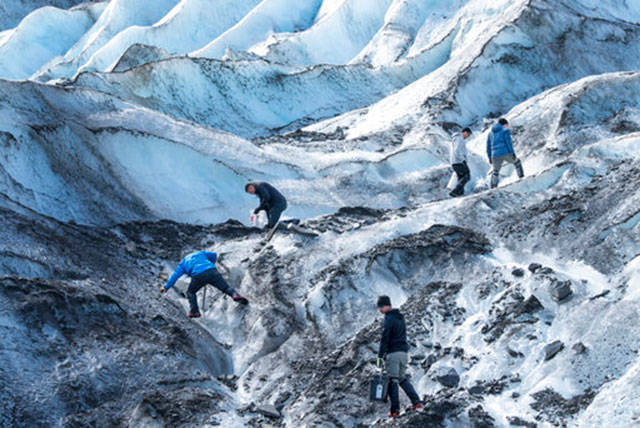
<point x="379" y="387"/>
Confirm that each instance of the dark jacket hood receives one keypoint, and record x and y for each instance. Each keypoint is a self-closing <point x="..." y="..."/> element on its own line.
<point x="496" y="128"/>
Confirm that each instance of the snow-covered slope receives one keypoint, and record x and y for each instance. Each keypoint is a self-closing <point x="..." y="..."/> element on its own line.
<point x="139" y="124"/>
<point x="472" y="68"/>
<point x="13" y="11"/>
<point x="118" y="16"/>
<point x="538" y="45"/>
<point x="30" y="45"/>
<point x="188" y="26"/>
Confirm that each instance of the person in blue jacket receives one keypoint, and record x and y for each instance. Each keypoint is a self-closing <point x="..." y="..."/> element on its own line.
<point x="500" y="150"/>
<point x="201" y="267"/>
<point x="271" y="200"/>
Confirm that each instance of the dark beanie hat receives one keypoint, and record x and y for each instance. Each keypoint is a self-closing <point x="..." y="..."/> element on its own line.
<point x="384" y="301"/>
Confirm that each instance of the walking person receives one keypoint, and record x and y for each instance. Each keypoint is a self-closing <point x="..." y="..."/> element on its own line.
<point x="458" y="158"/>
<point x="271" y="200"/>
<point x="500" y="150"/>
<point x="393" y="350"/>
<point x="201" y="267"/>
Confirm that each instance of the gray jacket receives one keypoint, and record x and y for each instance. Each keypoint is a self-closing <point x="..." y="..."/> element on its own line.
<point x="458" y="152"/>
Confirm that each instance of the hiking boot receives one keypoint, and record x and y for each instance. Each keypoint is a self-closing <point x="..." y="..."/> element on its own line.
<point x="239" y="299"/>
<point x="393" y="414"/>
<point x="416" y="406"/>
<point x="194" y="315"/>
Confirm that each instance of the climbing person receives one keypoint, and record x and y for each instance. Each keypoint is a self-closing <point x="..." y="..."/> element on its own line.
<point x="458" y="159"/>
<point x="500" y="150"/>
<point x="393" y="350"/>
<point x="201" y="267"/>
<point x="271" y="200"/>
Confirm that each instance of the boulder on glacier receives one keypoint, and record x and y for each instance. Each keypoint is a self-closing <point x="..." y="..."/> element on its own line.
<point x="447" y="376"/>
<point x="552" y="349"/>
<point x="560" y="290"/>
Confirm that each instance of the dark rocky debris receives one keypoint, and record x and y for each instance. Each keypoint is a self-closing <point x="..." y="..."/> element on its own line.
<point x="552" y="349"/>
<point x="555" y="409"/>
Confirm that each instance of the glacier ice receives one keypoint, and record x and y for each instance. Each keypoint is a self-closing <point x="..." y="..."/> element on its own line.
<point x="126" y="136"/>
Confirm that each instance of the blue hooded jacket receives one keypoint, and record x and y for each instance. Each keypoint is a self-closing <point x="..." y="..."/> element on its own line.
<point x="499" y="142"/>
<point x="192" y="265"/>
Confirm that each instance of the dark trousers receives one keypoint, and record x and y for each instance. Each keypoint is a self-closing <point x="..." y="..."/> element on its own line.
<point x="464" y="175"/>
<point x="211" y="276"/>
<point x="394" y="393"/>
<point x="274" y="213"/>
<point x="397" y="371"/>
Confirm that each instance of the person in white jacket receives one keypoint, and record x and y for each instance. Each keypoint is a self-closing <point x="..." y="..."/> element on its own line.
<point x="458" y="160"/>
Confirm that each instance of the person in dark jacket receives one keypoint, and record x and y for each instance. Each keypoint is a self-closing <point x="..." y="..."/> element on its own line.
<point x="500" y="150"/>
<point x="393" y="349"/>
<point x="271" y="200"/>
<point x="201" y="267"/>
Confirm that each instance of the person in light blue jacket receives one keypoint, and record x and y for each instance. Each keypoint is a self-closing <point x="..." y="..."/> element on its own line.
<point x="201" y="267"/>
<point x="500" y="150"/>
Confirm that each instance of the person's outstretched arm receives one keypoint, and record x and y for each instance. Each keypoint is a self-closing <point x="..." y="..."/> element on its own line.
<point x="489" y="143"/>
<point x="176" y="275"/>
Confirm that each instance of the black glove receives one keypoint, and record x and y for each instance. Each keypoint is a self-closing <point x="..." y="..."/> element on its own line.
<point x="256" y="211"/>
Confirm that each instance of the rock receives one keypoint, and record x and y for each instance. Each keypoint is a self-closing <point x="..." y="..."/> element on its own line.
<point x="268" y="410"/>
<point x="514" y="354"/>
<point x="529" y="306"/>
<point x="526" y="319"/>
<point x="533" y="267"/>
<point x="139" y="54"/>
<point x="579" y="348"/>
<point x="556" y="409"/>
<point x="429" y="361"/>
<point x="519" y="422"/>
<point x="515" y="395"/>
<point x="480" y="418"/>
<point x="476" y="390"/>
<point x="560" y="290"/>
<point x="544" y="271"/>
<point x="490" y="387"/>
<point x="518" y="272"/>
<point x="552" y="349"/>
<point x="597" y="296"/>
<point x="448" y="377"/>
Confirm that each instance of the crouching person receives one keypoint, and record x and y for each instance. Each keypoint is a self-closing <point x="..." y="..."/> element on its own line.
<point x="393" y="350"/>
<point x="201" y="267"/>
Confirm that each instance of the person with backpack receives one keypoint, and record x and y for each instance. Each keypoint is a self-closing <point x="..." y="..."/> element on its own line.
<point x="458" y="158"/>
<point x="500" y="150"/>
<point x="271" y="200"/>
<point x="201" y="267"/>
<point x="393" y="351"/>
